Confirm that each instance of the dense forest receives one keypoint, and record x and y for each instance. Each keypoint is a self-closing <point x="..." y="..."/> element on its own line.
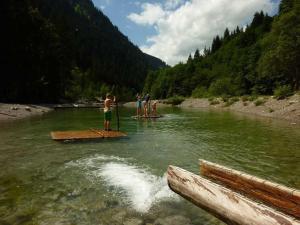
<point x="260" y="59"/>
<point x="64" y="50"/>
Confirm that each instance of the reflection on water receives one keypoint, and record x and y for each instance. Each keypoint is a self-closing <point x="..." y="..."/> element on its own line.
<point x="123" y="181"/>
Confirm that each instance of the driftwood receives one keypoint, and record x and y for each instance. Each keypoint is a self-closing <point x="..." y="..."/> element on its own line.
<point x="227" y="205"/>
<point x="283" y="198"/>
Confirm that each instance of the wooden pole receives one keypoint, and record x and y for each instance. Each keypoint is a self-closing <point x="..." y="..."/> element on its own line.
<point x="115" y="91"/>
<point x="281" y="197"/>
<point x="149" y="108"/>
<point x="118" y="116"/>
<point x="225" y="204"/>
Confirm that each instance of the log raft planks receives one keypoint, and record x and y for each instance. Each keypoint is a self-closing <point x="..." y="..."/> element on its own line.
<point x="85" y="134"/>
<point x="227" y="205"/>
<point x="281" y="197"/>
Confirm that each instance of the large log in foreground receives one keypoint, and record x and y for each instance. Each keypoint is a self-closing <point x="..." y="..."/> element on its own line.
<point x="281" y="197"/>
<point x="227" y="205"/>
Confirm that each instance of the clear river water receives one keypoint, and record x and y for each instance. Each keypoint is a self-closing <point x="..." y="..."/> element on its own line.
<point x="123" y="181"/>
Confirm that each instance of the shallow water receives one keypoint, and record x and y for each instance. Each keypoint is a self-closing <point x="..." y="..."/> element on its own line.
<point x="123" y="181"/>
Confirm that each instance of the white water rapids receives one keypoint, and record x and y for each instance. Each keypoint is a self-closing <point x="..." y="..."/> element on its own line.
<point x="140" y="188"/>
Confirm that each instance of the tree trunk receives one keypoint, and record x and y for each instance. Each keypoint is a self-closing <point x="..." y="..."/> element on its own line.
<point x="275" y="195"/>
<point x="227" y="205"/>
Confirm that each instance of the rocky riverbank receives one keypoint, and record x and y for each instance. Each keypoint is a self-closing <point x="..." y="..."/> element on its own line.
<point x="17" y="111"/>
<point x="286" y="109"/>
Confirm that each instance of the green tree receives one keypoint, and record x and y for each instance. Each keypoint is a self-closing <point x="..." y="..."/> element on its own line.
<point x="45" y="40"/>
<point x="286" y="6"/>
<point x="197" y="55"/>
<point x="260" y="59"/>
<point x="281" y="61"/>
<point x="226" y="34"/>
<point x="216" y="44"/>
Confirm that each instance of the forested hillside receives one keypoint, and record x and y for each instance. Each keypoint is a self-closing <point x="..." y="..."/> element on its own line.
<point x="65" y="50"/>
<point x="260" y="59"/>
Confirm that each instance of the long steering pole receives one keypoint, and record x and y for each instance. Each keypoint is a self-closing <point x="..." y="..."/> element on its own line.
<point x="118" y="117"/>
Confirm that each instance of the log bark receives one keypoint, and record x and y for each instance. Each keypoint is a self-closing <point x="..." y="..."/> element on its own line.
<point x="275" y="195"/>
<point x="225" y="204"/>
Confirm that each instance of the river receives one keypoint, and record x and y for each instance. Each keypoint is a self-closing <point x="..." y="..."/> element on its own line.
<point x="123" y="181"/>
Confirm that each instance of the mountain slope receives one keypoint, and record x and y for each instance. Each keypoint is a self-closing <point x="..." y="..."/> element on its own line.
<point x="262" y="59"/>
<point x="66" y="49"/>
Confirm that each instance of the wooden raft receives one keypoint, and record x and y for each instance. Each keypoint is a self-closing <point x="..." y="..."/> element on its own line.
<point x="235" y="197"/>
<point x="85" y="134"/>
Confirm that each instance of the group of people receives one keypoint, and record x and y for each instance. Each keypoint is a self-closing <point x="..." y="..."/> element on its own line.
<point x="145" y="104"/>
<point x="142" y="103"/>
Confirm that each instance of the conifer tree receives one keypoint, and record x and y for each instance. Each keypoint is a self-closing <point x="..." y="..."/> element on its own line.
<point x="226" y="34"/>
<point x="197" y="55"/>
<point x="216" y="44"/>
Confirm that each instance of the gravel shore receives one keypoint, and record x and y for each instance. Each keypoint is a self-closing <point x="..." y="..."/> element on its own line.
<point x="17" y="111"/>
<point x="286" y="109"/>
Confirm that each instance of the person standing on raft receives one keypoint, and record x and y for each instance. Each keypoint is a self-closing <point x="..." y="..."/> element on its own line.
<point x="138" y="105"/>
<point x="154" y="108"/>
<point x="145" y="103"/>
<point x="107" y="111"/>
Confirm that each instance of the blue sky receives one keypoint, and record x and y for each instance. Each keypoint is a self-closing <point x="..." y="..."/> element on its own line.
<point x="172" y="29"/>
<point x="118" y="10"/>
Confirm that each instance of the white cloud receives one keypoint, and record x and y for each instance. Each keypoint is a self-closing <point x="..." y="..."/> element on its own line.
<point x="151" y="14"/>
<point x="193" y="24"/>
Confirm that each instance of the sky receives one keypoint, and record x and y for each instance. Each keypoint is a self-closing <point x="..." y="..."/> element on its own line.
<point x="173" y="29"/>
